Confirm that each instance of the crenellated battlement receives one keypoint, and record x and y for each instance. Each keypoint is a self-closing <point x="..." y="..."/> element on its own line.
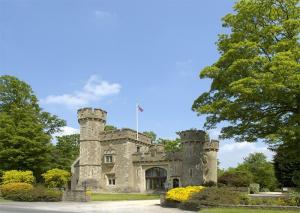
<point x="90" y="113"/>
<point x="193" y="136"/>
<point x="213" y="145"/>
<point x="124" y="133"/>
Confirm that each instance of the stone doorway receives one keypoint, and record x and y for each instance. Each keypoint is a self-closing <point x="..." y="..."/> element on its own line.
<point x="175" y="182"/>
<point x="156" y="178"/>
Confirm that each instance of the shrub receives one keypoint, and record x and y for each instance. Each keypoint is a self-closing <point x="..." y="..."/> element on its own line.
<point x="281" y="201"/>
<point x="15" y="176"/>
<point x="237" y="179"/>
<point x="254" y="188"/>
<point x="40" y="193"/>
<point x="214" y="196"/>
<point x="15" y="191"/>
<point x="183" y="193"/>
<point x="26" y="192"/>
<point x="56" y="178"/>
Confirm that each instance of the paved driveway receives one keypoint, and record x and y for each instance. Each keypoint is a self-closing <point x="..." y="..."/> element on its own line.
<point x="143" y="206"/>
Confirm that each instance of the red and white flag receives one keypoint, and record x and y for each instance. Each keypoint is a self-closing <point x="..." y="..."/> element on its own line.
<point x="140" y="108"/>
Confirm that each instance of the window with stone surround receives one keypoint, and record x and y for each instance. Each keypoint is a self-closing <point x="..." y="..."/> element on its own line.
<point x="111" y="179"/>
<point x="108" y="158"/>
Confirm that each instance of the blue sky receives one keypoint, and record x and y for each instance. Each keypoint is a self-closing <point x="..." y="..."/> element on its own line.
<point x="113" y="54"/>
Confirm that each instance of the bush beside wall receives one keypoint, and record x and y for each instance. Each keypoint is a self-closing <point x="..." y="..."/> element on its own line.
<point x="26" y="192"/>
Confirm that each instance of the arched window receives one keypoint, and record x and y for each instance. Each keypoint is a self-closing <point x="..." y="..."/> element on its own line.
<point x="156" y="178"/>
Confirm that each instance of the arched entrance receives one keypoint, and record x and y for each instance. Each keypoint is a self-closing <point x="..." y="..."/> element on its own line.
<point x="156" y="178"/>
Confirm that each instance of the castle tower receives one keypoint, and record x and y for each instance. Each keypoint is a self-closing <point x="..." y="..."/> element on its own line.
<point x="199" y="162"/>
<point x="92" y="122"/>
<point x="210" y="149"/>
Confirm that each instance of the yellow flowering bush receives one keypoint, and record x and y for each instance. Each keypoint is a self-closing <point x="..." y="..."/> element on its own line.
<point x="183" y="193"/>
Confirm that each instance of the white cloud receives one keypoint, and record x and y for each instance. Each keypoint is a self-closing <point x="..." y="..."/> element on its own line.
<point x="232" y="153"/>
<point x="67" y="130"/>
<point x="100" y="14"/>
<point x="93" y="90"/>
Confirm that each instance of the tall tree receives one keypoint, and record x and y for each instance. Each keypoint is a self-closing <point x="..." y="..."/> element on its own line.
<point x="255" y="85"/>
<point x="66" y="151"/>
<point x="286" y="166"/>
<point x="261" y="169"/>
<point x="26" y="130"/>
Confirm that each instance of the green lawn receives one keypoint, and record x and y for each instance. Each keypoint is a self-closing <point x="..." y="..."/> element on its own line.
<point x="116" y="197"/>
<point x="243" y="210"/>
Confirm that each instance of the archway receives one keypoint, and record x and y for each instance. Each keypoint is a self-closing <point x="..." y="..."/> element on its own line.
<point x="156" y="178"/>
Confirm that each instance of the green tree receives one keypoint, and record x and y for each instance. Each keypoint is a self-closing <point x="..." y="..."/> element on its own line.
<point x="25" y="130"/>
<point x="286" y="166"/>
<point x="151" y="135"/>
<point x="110" y="128"/>
<point x="66" y="151"/>
<point x="170" y="145"/>
<point x="262" y="170"/>
<point x="255" y="85"/>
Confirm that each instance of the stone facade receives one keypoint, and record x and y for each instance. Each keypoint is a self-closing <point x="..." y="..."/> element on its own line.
<point x="116" y="161"/>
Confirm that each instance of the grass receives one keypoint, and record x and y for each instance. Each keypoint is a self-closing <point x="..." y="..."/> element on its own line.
<point x="118" y="197"/>
<point x="244" y="210"/>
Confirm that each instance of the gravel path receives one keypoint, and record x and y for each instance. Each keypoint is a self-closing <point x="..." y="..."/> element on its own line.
<point x="143" y="206"/>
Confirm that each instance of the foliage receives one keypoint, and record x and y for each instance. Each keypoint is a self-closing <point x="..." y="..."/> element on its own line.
<point x="183" y="193"/>
<point x="15" y="176"/>
<point x="14" y="190"/>
<point x="296" y="178"/>
<point x="236" y="178"/>
<point x="255" y="82"/>
<point x="285" y="165"/>
<point x="261" y="170"/>
<point x="26" y="192"/>
<point x="56" y="178"/>
<point x="275" y="201"/>
<point x="66" y="151"/>
<point x="213" y="196"/>
<point x="170" y="145"/>
<point x="110" y="128"/>
<point x="245" y="210"/>
<point x="25" y="130"/>
<point x="151" y="135"/>
<point x="254" y="188"/>
<point x="254" y="169"/>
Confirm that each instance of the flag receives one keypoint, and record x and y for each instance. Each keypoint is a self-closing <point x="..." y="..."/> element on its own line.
<point x="140" y="108"/>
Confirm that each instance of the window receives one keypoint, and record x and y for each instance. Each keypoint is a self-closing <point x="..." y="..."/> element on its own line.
<point x="111" y="181"/>
<point x="138" y="148"/>
<point x="108" y="158"/>
<point x="191" y="172"/>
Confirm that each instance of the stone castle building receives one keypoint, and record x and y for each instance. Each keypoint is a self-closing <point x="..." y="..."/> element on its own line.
<point x="116" y="161"/>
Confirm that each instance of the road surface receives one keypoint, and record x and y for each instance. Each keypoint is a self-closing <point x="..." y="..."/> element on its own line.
<point x="143" y="206"/>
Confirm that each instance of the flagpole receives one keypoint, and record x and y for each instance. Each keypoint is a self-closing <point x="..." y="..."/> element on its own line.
<point x="137" y="122"/>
